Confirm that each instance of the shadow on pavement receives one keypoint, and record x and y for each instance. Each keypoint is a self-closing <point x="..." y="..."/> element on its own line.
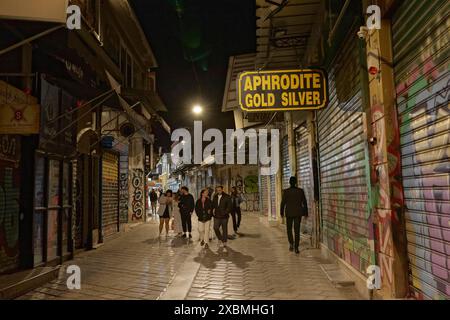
<point x="209" y="259"/>
<point x="249" y="235"/>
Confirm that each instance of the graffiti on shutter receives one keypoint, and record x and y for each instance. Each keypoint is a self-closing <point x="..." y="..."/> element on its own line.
<point x="9" y="202"/>
<point x="422" y="76"/>
<point x="347" y="226"/>
<point x="123" y="188"/>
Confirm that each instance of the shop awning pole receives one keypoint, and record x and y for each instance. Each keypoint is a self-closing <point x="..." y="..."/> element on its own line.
<point x="32" y="38"/>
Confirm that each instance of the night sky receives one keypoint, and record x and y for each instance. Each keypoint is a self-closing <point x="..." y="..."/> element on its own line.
<point x="192" y="41"/>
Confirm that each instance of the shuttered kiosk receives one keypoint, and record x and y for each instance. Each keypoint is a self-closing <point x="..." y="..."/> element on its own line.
<point x="110" y="193"/>
<point x="344" y="161"/>
<point x="304" y="171"/>
<point x="422" y="77"/>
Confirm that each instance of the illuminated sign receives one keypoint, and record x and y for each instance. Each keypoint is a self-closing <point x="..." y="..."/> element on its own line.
<point x="282" y="90"/>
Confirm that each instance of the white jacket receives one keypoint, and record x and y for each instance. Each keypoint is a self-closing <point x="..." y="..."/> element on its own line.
<point x="162" y="206"/>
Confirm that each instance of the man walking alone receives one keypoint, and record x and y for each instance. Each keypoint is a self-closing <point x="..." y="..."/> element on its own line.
<point x="293" y="204"/>
<point x="153" y="200"/>
<point x="221" y="211"/>
<point x="186" y="206"/>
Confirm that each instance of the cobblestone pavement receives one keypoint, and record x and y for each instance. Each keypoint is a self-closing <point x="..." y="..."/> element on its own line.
<point x="256" y="265"/>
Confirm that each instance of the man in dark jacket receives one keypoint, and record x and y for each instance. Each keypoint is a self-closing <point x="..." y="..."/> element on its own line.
<point x="153" y="200"/>
<point x="186" y="206"/>
<point x="293" y="203"/>
<point x="221" y="211"/>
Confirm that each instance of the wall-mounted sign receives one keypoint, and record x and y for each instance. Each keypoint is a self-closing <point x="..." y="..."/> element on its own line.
<point x="36" y="10"/>
<point x="282" y="90"/>
<point x="19" y="112"/>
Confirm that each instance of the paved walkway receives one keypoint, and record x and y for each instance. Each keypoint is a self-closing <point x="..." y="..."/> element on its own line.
<point x="256" y="265"/>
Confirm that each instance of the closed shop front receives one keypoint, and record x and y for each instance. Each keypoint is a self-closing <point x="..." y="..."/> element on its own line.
<point x="263" y="194"/>
<point x="304" y="170"/>
<point x="344" y="161"/>
<point x="285" y="164"/>
<point x="9" y="202"/>
<point x="422" y="76"/>
<point x="273" y="198"/>
<point x="110" y="193"/>
<point x="53" y="177"/>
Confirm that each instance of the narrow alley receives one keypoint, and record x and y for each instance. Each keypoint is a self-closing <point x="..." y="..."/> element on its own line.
<point x="257" y="265"/>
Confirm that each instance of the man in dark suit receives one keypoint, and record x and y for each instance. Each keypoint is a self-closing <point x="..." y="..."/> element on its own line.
<point x="222" y="207"/>
<point x="293" y="203"/>
<point x="186" y="206"/>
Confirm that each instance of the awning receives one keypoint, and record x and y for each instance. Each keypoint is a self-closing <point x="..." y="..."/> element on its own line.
<point x="143" y="126"/>
<point x="149" y="99"/>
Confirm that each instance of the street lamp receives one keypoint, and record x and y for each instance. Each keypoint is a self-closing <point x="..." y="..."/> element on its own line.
<point x="197" y="109"/>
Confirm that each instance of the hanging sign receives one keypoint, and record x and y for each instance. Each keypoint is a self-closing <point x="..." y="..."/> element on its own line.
<point x="282" y="90"/>
<point x="19" y="112"/>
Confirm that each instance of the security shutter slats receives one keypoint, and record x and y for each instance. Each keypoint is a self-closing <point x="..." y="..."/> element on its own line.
<point x="264" y="194"/>
<point x="421" y="66"/>
<point x="272" y="193"/>
<point x="343" y="160"/>
<point x="110" y="193"/>
<point x="285" y="165"/>
<point x="304" y="170"/>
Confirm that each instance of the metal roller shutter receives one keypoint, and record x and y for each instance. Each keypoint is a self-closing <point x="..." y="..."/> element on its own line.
<point x="344" y="162"/>
<point x="421" y="64"/>
<point x="264" y="194"/>
<point x="110" y="193"/>
<point x="272" y="194"/>
<point x="304" y="170"/>
<point x="285" y="164"/>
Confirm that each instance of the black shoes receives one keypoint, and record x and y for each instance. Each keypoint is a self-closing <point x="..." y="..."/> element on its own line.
<point x="184" y="235"/>
<point x="202" y="243"/>
<point x="291" y="248"/>
<point x="190" y="235"/>
<point x="297" y="251"/>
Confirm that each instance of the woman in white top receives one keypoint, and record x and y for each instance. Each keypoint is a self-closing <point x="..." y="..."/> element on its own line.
<point x="165" y="211"/>
<point x="176" y="215"/>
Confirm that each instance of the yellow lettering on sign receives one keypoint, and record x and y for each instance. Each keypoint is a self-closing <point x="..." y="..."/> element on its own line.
<point x="295" y="81"/>
<point x="285" y="82"/>
<point x="284" y="99"/>
<point x="316" y="98"/>
<point x="248" y="84"/>
<point x="265" y="83"/>
<point x="276" y="82"/>
<point x="256" y="82"/>
<point x="316" y="81"/>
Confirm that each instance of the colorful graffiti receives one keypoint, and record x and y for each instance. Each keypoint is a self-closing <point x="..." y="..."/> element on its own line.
<point x="423" y="100"/>
<point x="9" y="216"/>
<point x="138" y="198"/>
<point x="344" y="164"/>
<point x="248" y="187"/>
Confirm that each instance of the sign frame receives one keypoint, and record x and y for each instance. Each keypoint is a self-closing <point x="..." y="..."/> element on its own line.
<point x="283" y="109"/>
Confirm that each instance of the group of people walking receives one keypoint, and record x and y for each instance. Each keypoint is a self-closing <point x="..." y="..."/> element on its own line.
<point x="209" y="211"/>
<point x="181" y="206"/>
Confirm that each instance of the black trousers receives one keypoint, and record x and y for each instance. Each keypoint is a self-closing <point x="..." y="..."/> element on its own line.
<point x="296" y="222"/>
<point x="236" y="216"/>
<point x="186" y="222"/>
<point x="221" y="222"/>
